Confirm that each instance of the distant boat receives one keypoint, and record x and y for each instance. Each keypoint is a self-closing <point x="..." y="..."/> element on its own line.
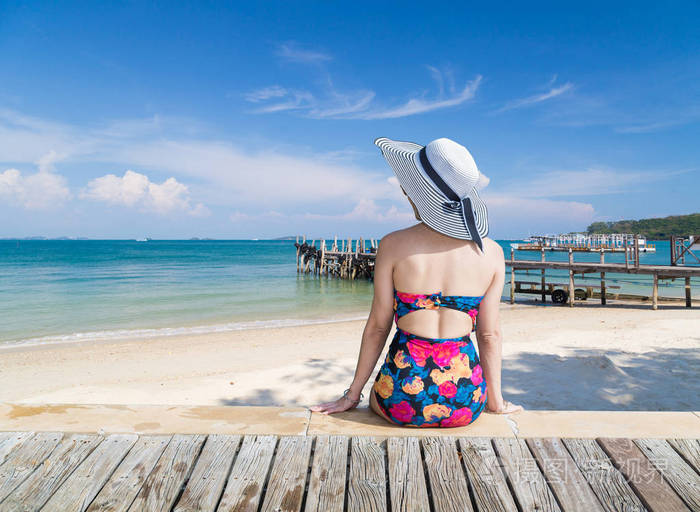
<point x="615" y="242"/>
<point x="145" y="239"/>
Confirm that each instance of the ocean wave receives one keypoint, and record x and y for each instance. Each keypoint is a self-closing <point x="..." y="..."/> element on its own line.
<point x="126" y="334"/>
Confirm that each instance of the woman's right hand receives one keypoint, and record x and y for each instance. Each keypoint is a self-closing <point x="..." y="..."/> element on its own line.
<point x="505" y="407"/>
<point x="342" y="404"/>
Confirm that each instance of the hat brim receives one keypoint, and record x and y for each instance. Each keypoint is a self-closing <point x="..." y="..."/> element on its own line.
<point x="430" y="202"/>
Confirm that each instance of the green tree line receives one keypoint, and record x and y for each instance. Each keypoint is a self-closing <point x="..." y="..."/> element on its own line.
<point x="653" y="229"/>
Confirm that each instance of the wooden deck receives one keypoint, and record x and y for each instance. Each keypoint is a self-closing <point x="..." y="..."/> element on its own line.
<point x="57" y="471"/>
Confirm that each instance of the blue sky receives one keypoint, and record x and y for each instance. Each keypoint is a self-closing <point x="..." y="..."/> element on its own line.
<point x="238" y="120"/>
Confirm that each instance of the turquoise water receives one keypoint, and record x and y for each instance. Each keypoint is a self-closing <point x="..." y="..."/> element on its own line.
<point x="63" y="290"/>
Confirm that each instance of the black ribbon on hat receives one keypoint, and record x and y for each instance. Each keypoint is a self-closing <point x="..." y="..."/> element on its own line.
<point x="454" y="200"/>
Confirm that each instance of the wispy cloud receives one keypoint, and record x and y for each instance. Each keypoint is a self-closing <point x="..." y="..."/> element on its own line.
<point x="553" y="92"/>
<point x="333" y="104"/>
<point x="293" y="100"/>
<point x="293" y="52"/>
<point x="587" y="182"/>
<point x="421" y="105"/>
<point x="274" y="91"/>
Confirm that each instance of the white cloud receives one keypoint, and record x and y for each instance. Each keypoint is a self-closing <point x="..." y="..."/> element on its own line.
<point x="553" y="92"/>
<point x="137" y="190"/>
<point x="42" y="190"/>
<point x="293" y="52"/>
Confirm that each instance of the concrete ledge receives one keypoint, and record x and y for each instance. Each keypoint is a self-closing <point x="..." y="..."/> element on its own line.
<point x="633" y="424"/>
<point x="156" y="419"/>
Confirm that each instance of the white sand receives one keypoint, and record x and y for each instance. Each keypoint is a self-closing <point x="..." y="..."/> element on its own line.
<point x="621" y="357"/>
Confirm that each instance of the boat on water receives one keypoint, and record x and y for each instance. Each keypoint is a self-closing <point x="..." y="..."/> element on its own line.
<point x="144" y="239"/>
<point x="614" y="242"/>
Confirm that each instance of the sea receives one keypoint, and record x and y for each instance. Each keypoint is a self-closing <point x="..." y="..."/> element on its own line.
<point x="61" y="291"/>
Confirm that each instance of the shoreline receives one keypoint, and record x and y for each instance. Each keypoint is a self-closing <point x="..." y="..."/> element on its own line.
<point x="146" y="334"/>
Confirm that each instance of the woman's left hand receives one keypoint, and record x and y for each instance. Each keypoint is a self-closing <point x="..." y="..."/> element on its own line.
<point x="340" y="405"/>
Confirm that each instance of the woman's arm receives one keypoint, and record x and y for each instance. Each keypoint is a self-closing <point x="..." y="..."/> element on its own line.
<point x="376" y="330"/>
<point x="488" y="333"/>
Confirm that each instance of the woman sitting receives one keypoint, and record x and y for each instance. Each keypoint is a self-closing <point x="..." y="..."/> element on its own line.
<point x="439" y="281"/>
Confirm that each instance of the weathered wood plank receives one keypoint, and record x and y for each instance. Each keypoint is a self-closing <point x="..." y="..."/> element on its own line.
<point x="484" y="472"/>
<point x="9" y="440"/>
<point x="674" y="469"/>
<point x="407" y="486"/>
<point x="285" y="489"/>
<point x="525" y="477"/>
<point x="563" y="475"/>
<point x="122" y="487"/>
<point x="367" y="479"/>
<point x="326" y="491"/>
<point x="24" y="459"/>
<point x="209" y="474"/>
<point x="163" y="485"/>
<point x="648" y="483"/>
<point x="448" y="482"/>
<point x="35" y="491"/>
<point x="81" y="487"/>
<point x="613" y="492"/>
<point x="245" y="485"/>
<point x="689" y="450"/>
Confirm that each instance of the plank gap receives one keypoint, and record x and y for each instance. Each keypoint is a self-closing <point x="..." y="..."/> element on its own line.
<point x="465" y="472"/>
<point x="540" y="467"/>
<point x="267" y="475"/>
<point x="228" y="472"/>
<point x="509" y="483"/>
<point x="347" y="474"/>
<point x="189" y="473"/>
<point x="309" y="466"/>
<point x="428" y="487"/>
<point x="385" y="444"/>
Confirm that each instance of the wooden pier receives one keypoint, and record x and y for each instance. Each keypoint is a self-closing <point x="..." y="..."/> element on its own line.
<point x="56" y="471"/>
<point x="347" y="259"/>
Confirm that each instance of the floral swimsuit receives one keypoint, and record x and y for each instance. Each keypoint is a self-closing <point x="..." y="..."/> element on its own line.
<point x="431" y="382"/>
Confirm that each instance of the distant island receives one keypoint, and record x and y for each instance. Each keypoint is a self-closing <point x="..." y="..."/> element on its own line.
<point x="652" y="229"/>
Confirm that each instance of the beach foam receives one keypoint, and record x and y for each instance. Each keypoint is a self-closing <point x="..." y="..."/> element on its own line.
<point x="124" y="334"/>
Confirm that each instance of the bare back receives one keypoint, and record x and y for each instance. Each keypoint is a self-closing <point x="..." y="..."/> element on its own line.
<point x="424" y="261"/>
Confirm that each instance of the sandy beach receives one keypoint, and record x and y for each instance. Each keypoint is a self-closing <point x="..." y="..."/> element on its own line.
<point x="620" y="357"/>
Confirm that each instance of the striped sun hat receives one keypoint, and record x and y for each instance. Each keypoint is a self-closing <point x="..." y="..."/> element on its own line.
<point x="442" y="181"/>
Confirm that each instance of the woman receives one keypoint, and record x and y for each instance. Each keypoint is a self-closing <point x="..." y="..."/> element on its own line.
<point x="434" y="279"/>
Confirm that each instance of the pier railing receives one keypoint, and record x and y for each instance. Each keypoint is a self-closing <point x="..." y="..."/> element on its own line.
<point x="630" y="266"/>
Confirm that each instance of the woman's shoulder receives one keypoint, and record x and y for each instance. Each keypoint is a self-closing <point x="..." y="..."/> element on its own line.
<point x="492" y="247"/>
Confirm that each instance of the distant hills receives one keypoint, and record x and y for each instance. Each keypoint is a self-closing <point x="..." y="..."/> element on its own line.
<point x="653" y="229"/>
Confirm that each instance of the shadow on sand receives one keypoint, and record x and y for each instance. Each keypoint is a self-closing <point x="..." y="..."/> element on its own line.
<point x="661" y="380"/>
